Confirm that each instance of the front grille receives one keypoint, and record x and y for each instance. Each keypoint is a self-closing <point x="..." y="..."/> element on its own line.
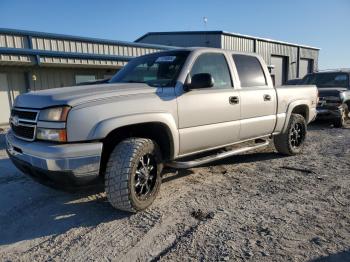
<point x="26" y="132"/>
<point x="24" y="114"/>
<point x="23" y="123"/>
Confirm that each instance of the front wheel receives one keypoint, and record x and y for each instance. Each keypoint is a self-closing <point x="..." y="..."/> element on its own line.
<point x="133" y="171"/>
<point x="291" y="142"/>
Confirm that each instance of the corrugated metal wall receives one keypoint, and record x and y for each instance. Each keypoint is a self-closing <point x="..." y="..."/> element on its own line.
<point x="51" y="61"/>
<point x="22" y="78"/>
<point x="26" y="40"/>
<point x="85" y="57"/>
<point x="74" y="46"/>
<point x="14" y="41"/>
<point x="237" y="43"/>
<point x="16" y="80"/>
<point x="267" y="49"/>
<point x="16" y="60"/>
<point x="60" y="77"/>
<point x="310" y="54"/>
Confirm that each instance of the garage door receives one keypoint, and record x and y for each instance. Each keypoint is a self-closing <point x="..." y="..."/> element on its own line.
<point x="306" y="66"/>
<point x="280" y="71"/>
<point x="4" y="100"/>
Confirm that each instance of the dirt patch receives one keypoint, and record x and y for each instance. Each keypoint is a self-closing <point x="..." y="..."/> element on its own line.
<point x="201" y="215"/>
<point x="257" y="207"/>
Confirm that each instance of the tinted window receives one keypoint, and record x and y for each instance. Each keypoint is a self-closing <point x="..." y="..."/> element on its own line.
<point x="216" y="65"/>
<point x="327" y="80"/>
<point x="249" y="70"/>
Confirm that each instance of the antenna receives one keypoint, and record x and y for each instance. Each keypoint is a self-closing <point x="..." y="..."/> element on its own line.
<point x="205" y="21"/>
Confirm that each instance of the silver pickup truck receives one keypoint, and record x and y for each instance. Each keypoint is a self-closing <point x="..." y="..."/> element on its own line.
<point x="181" y="108"/>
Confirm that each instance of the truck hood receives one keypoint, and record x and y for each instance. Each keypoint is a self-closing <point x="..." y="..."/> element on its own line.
<point x="75" y="95"/>
<point x="330" y="91"/>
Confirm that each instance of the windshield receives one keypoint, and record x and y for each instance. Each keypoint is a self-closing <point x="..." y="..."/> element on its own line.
<point x="158" y="70"/>
<point x="327" y="80"/>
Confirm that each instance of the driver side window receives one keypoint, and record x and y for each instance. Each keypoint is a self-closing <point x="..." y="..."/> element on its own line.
<point x="215" y="65"/>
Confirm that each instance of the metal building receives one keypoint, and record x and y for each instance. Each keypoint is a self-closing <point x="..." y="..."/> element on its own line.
<point x="289" y="60"/>
<point x="35" y="61"/>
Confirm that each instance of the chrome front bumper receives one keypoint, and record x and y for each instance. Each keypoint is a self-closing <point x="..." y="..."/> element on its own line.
<point x="80" y="162"/>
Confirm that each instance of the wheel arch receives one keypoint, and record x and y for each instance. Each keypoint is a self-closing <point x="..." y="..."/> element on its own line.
<point x="159" y="129"/>
<point x="302" y="110"/>
<point x="301" y="107"/>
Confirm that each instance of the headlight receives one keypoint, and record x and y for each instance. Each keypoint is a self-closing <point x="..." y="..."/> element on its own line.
<point x="58" y="135"/>
<point x="54" y="114"/>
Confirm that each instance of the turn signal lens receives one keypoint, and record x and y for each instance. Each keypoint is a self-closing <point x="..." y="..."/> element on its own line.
<point x="57" y="135"/>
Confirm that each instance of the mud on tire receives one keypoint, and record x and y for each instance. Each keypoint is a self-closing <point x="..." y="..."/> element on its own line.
<point x="132" y="179"/>
<point x="291" y="142"/>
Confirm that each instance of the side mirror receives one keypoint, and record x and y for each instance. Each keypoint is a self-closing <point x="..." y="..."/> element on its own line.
<point x="203" y="80"/>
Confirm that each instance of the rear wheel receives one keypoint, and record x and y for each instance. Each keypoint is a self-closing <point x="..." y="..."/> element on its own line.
<point x="291" y="142"/>
<point x="133" y="179"/>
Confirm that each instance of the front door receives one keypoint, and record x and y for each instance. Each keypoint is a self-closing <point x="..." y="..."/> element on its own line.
<point x="207" y="118"/>
<point x="5" y="106"/>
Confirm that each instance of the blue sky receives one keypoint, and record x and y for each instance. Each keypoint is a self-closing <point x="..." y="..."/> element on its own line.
<point x="322" y="23"/>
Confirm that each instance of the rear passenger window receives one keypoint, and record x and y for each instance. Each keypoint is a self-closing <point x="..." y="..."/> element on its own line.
<point x="249" y="70"/>
<point x="216" y="65"/>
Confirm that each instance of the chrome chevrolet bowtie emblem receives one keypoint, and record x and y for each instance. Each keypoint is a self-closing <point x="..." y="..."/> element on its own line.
<point x="15" y="120"/>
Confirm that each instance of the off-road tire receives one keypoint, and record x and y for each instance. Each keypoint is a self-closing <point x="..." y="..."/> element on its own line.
<point x="121" y="171"/>
<point x="283" y="142"/>
<point x="341" y="121"/>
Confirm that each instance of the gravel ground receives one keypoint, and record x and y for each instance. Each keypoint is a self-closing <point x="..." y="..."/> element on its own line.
<point x="258" y="207"/>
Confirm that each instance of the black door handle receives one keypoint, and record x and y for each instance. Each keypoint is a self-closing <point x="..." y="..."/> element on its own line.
<point x="234" y="100"/>
<point x="267" y="97"/>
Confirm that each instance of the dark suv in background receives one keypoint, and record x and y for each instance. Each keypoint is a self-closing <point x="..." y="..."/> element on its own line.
<point x="334" y="94"/>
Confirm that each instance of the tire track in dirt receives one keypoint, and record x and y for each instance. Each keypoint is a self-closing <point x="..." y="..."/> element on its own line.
<point x="125" y="233"/>
<point x="169" y="204"/>
<point x="163" y="207"/>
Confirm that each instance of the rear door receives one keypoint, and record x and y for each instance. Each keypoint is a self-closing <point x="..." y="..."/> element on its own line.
<point x="207" y="117"/>
<point x="258" y="98"/>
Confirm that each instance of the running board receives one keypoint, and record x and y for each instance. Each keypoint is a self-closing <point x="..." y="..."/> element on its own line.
<point x="208" y="159"/>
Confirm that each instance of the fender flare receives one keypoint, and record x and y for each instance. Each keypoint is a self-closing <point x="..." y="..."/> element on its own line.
<point x="104" y="127"/>
<point x="290" y="109"/>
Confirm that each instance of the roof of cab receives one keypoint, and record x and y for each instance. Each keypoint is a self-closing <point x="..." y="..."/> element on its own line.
<point x="208" y="49"/>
